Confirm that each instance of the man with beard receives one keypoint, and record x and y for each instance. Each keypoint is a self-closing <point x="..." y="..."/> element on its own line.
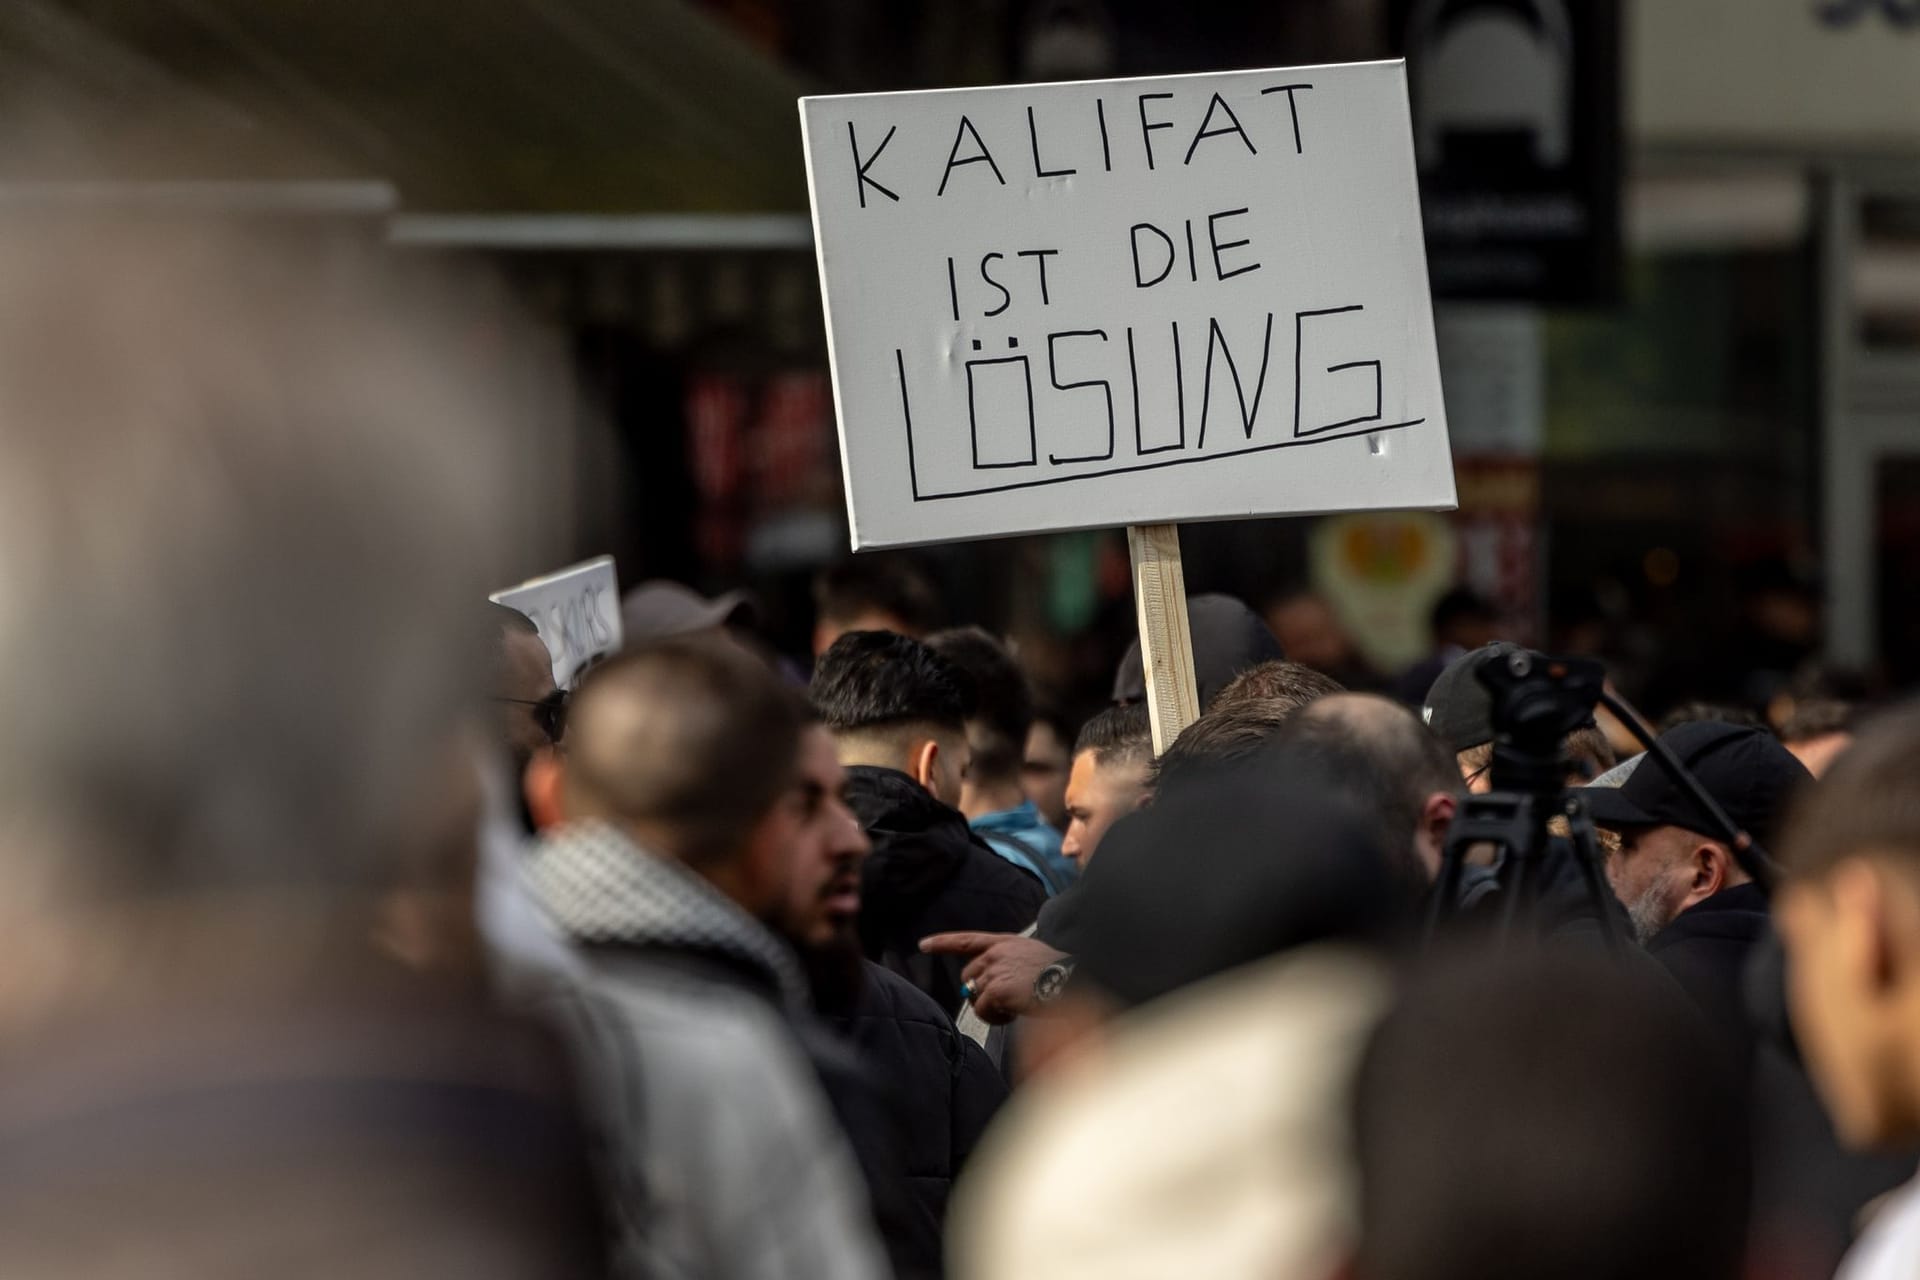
<point x="928" y="1090"/>
<point x="686" y="814"/>
<point x="1690" y="900"/>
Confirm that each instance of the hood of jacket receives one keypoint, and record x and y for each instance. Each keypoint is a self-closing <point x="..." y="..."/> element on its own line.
<point x="602" y="889"/>
<point x="1736" y="915"/>
<point x="919" y="844"/>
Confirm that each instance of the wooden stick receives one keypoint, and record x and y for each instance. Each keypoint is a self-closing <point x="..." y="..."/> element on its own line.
<point x="1166" y="643"/>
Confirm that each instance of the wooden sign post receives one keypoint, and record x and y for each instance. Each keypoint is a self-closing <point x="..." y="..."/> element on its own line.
<point x="1125" y="304"/>
<point x="1166" y="639"/>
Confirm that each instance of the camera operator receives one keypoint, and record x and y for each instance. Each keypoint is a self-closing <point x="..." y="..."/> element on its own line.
<point x="1460" y="709"/>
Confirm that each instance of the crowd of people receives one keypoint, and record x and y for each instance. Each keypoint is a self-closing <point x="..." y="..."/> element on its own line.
<point x="342" y="940"/>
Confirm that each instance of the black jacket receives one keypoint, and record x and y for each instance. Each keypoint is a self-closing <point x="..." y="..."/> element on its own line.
<point x="939" y="1088"/>
<point x="928" y="873"/>
<point x="1706" y="950"/>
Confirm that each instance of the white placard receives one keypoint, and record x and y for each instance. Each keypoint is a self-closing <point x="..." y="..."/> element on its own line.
<point x="1126" y="302"/>
<point x="577" y="610"/>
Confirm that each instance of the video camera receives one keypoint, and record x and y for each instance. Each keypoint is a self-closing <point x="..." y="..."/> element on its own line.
<point x="1536" y="702"/>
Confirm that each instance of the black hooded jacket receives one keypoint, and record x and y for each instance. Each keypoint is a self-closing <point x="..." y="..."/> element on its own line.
<point x="938" y="1090"/>
<point x="928" y="873"/>
<point x="1706" y="947"/>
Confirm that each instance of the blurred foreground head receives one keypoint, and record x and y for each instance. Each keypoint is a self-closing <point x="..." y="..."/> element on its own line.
<point x="1548" y="1115"/>
<point x="249" y="494"/>
<point x="1239" y="863"/>
<point x="1850" y="918"/>
<point x="1226" y="938"/>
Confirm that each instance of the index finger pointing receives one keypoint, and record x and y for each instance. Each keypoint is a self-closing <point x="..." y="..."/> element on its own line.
<point x="959" y="944"/>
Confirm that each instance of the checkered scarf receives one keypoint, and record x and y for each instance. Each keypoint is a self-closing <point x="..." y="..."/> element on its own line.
<point x="601" y="887"/>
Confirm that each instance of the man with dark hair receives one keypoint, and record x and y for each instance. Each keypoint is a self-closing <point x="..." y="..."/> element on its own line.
<point x="1112" y="765"/>
<point x="1043" y="774"/>
<point x="1525" y="1116"/>
<point x="897" y="711"/>
<point x="1279" y="686"/>
<point x="913" y="1094"/>
<point x="1310" y="630"/>
<point x="873" y="592"/>
<point x="1377" y="755"/>
<point x="1460" y="709"/>
<point x="1462" y="620"/>
<point x="1112" y="762"/>
<point x="523" y="686"/>
<point x="1817" y="731"/>
<point x="991" y="795"/>
<point x="1234" y="733"/>
<point x="1850" y="918"/>
<point x="686" y="802"/>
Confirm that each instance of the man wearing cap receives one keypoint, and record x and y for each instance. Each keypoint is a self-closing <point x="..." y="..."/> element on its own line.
<point x="1691" y="902"/>
<point x="1460" y="709"/>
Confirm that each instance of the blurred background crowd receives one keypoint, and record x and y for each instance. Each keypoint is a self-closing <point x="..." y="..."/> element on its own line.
<point x="846" y="919"/>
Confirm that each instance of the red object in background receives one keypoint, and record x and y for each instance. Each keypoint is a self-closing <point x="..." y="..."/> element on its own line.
<point x="790" y="437"/>
<point x="717" y="406"/>
<point x="757" y="446"/>
<point x="1501" y="546"/>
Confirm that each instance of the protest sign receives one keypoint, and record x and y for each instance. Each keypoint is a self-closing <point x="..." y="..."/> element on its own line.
<point x="577" y="610"/>
<point x="1127" y="302"/>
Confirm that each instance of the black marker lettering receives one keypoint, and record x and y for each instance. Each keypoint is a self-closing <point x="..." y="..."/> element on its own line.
<point x="1033" y="137"/>
<point x="978" y="371"/>
<point x="1006" y="299"/>
<point x="1133" y="233"/>
<point x="1206" y="133"/>
<point x="1215" y="338"/>
<point x="861" y="180"/>
<point x="1106" y="150"/>
<point x="1106" y="389"/>
<point x="1041" y="256"/>
<point x="1193" y="267"/>
<point x="1213" y="238"/>
<point x="953" y="290"/>
<point x="1146" y="128"/>
<point x="964" y="130"/>
<point x="1299" y="342"/>
<point x="1293" y="108"/>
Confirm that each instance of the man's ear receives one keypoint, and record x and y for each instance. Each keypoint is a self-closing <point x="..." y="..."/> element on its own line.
<point x="543" y="787"/>
<point x="1436" y="815"/>
<point x="921" y="760"/>
<point x="1872" y="915"/>
<point x="1712" y="868"/>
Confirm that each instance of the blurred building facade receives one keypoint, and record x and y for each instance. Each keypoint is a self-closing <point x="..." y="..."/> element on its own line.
<point x="1715" y="452"/>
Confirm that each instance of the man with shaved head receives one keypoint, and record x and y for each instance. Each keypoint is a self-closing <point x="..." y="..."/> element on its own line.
<point x="1377" y="753"/>
<point x="688" y="812"/>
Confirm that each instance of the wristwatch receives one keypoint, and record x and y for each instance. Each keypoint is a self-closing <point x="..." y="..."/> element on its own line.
<point x="1052" y="981"/>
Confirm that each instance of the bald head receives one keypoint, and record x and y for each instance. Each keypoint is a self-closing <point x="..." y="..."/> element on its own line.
<point x="686" y="744"/>
<point x="1379" y="754"/>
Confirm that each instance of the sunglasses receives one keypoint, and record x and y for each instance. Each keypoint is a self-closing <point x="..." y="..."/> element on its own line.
<point x="550" y="712"/>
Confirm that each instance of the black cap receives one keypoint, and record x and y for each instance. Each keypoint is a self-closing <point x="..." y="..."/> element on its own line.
<point x="1746" y="771"/>
<point x="1247" y="861"/>
<point x="1228" y="638"/>
<point x="1458" y="707"/>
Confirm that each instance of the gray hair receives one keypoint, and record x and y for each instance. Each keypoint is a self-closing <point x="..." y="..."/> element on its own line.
<point x="250" y="492"/>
